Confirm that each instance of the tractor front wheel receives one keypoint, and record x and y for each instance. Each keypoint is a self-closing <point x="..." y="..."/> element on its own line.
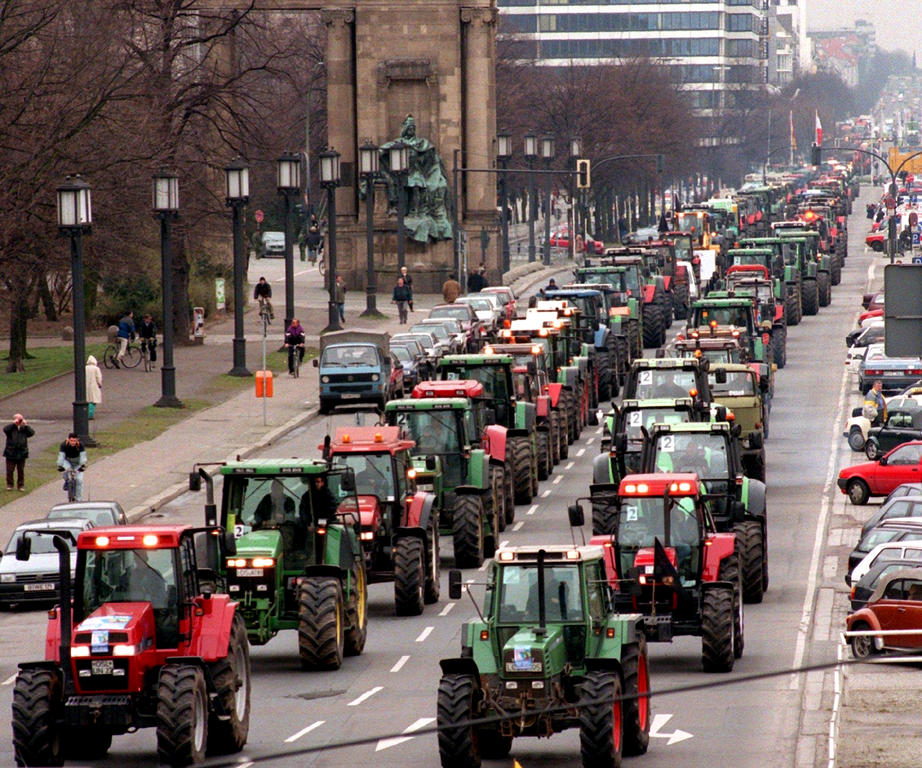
<point x="718" y="623"/>
<point x="182" y="715"/>
<point x="752" y="551"/>
<point x="321" y="636"/>
<point x="458" y="747"/>
<point x="434" y="568"/>
<point x="636" y="709"/>
<point x="467" y="531"/>
<point x="356" y="613"/>
<point x="600" y="722"/>
<point x="231" y="677"/>
<point x="409" y="576"/>
<point x="37" y="709"/>
<point x="521" y="469"/>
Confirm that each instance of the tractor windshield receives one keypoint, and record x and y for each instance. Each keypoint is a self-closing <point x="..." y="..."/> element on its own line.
<point x="436" y="433"/>
<point x="701" y="453"/>
<point x="669" y="383"/>
<point x="647" y="417"/>
<point x="374" y="475"/>
<point x="738" y="316"/>
<point x="738" y="384"/>
<point x="642" y="521"/>
<point x="518" y="595"/>
<point x="496" y="392"/>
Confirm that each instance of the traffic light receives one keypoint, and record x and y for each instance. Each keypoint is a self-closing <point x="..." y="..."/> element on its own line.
<point x="582" y="174"/>
<point x="661" y="164"/>
<point x="816" y="154"/>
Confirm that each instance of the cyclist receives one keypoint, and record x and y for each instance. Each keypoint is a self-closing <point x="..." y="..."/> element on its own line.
<point x="263" y="294"/>
<point x="294" y="339"/>
<point x="72" y="455"/>
<point x="314" y="242"/>
<point x="125" y="334"/>
<point x="147" y="332"/>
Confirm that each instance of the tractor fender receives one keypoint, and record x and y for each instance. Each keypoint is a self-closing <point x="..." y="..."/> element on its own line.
<point x="754" y="497"/>
<point x="720" y="546"/>
<point x="514" y="433"/>
<point x="779" y="314"/>
<point x="405" y="531"/>
<point x="211" y="633"/>
<point x="525" y="415"/>
<point x="649" y="294"/>
<point x="321" y="569"/>
<point x="667" y="283"/>
<point x="543" y="407"/>
<point x="470" y="490"/>
<point x="601" y="337"/>
<point x="495" y="442"/>
<point x="601" y="469"/>
<point x="420" y="511"/>
<point x="553" y="392"/>
<point x="603" y="664"/>
<point x="461" y="666"/>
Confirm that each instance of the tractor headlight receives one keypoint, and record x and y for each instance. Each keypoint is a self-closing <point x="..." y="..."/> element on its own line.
<point x="124" y="650"/>
<point x="80" y="651"/>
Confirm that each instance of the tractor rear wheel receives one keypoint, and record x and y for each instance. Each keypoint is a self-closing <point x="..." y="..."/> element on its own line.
<point x="811" y="297"/>
<point x="493" y="745"/>
<point x="824" y="289"/>
<point x="636" y="710"/>
<point x="37" y="708"/>
<point x="409" y="576"/>
<point x="231" y="677"/>
<point x="321" y="634"/>
<point x="544" y="459"/>
<point x="792" y="309"/>
<point x="730" y="571"/>
<point x="509" y="491"/>
<point x="572" y="400"/>
<point x="652" y="326"/>
<point x="498" y="497"/>
<point x="600" y="724"/>
<point x="182" y="715"/>
<point x="780" y="345"/>
<point x="521" y="467"/>
<point x="752" y="551"/>
<point x="467" y="531"/>
<point x="604" y="517"/>
<point x="718" y="622"/>
<point x="458" y="747"/>
<point x="563" y="428"/>
<point x="434" y="568"/>
<point x="680" y="300"/>
<point x="555" y="437"/>
<point x="357" y="613"/>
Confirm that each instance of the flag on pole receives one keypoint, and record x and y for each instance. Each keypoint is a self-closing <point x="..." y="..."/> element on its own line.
<point x="819" y="130"/>
<point x="793" y="140"/>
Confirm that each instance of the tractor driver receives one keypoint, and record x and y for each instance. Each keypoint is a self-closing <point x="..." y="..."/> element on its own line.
<point x="668" y="387"/>
<point x="692" y="459"/>
<point x="274" y="508"/>
<point x="434" y="439"/>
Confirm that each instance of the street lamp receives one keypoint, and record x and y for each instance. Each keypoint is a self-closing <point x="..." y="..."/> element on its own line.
<point x="166" y="208"/>
<point x="576" y="151"/>
<point x="75" y="218"/>
<point x="288" y="183"/>
<point x="531" y="152"/>
<point x="399" y="163"/>
<point x="329" y="179"/>
<point x="503" y="153"/>
<point x="237" y="195"/>
<point x="547" y="152"/>
<point x="369" y="165"/>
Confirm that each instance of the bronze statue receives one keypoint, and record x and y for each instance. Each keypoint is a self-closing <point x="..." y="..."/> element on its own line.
<point x="427" y="199"/>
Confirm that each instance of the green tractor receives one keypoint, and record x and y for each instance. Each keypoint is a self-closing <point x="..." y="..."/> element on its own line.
<point x="808" y="241"/>
<point x="626" y="316"/>
<point x="803" y="256"/>
<point x="782" y="264"/>
<point x="549" y="639"/>
<point x="447" y="422"/>
<point x="299" y="562"/>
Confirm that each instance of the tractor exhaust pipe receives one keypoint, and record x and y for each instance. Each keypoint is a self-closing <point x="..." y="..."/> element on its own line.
<point x="542" y="612"/>
<point x="66" y="621"/>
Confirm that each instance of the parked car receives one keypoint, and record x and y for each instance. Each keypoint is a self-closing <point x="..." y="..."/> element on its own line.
<point x="410" y="364"/>
<point x="896" y="604"/>
<point x="895" y="529"/>
<point x="453" y="327"/>
<point x="903" y="424"/>
<point x="508" y="298"/>
<point x="879" y="478"/>
<point x="902" y="506"/>
<point x="856" y="333"/>
<point x="863" y="588"/>
<point x="894" y="372"/>
<point x="37" y="579"/>
<point x="908" y="551"/>
<point x="465" y="314"/>
<point x="272" y="244"/>
<point x="490" y="313"/>
<point x="98" y="512"/>
<point x="871" y="334"/>
<point x="905" y="489"/>
<point x="858" y="427"/>
<point x="428" y="342"/>
<point x="444" y="341"/>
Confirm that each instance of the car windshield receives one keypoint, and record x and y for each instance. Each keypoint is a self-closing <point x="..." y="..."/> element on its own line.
<point x="374" y="474"/>
<point x="647" y="417"/>
<point x="518" y="597"/>
<point x="705" y="454"/>
<point x="738" y="384"/>
<point x="460" y="312"/>
<point x="42" y="544"/>
<point x="654" y="383"/>
<point x="98" y="516"/>
<point x="350" y="355"/>
<point x="481" y="305"/>
<point x="436" y="330"/>
<point x="402" y="354"/>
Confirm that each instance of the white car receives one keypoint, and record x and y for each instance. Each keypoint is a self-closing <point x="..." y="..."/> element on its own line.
<point x="856" y="428"/>
<point x="910" y="551"/>
<point x="872" y="334"/>
<point x="488" y="308"/>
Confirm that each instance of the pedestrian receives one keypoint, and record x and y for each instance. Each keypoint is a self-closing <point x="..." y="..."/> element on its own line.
<point x="124" y="335"/>
<point x="402" y="297"/>
<point x="93" y="386"/>
<point x="476" y="282"/>
<point x="314" y="240"/>
<point x="147" y="333"/>
<point x="451" y="289"/>
<point x="408" y="282"/>
<point x="875" y="399"/>
<point x="262" y="292"/>
<point x="17" y="450"/>
<point x="294" y="340"/>
<point x="551" y="285"/>
<point x="302" y="242"/>
<point x="72" y="455"/>
<point x="339" y="296"/>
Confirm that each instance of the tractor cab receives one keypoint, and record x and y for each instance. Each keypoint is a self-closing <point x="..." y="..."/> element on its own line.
<point x="668" y="377"/>
<point x="494" y="374"/>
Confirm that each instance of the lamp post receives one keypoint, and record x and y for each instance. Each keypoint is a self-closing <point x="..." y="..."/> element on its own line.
<point x="503" y="153"/>
<point x="75" y="218"/>
<point x="237" y="194"/>
<point x="369" y="163"/>
<point x="329" y="179"/>
<point x="288" y="183"/>
<point x="399" y="163"/>
<point x="166" y="208"/>
<point x="531" y="152"/>
<point x="576" y="150"/>
<point x="547" y="152"/>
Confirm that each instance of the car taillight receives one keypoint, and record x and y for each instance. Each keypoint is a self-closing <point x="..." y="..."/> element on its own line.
<point x="915" y="371"/>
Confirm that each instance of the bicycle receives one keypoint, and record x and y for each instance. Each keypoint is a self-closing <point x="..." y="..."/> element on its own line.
<point x="70" y="484"/>
<point x="147" y="346"/>
<point x="131" y="358"/>
<point x="296" y="352"/>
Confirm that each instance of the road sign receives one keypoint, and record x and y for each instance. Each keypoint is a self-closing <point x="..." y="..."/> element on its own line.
<point x="258" y="215"/>
<point x="903" y="310"/>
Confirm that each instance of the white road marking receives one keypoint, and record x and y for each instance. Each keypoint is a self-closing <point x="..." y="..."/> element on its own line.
<point x="544" y="494"/>
<point x="518" y="525"/>
<point x="588" y="442"/>
<point x="421" y="723"/>
<point x="9" y="680"/>
<point x="504" y="543"/>
<point x="403" y="660"/>
<point x="485" y="565"/>
<point x="366" y="695"/>
<point x="304" y="731"/>
<point x="673" y="738"/>
<point x="531" y="509"/>
<point x="427" y="631"/>
<point x="569" y="465"/>
<point x="245" y="764"/>
<point x="557" y="479"/>
<point x="447" y="609"/>
<point x="580" y="452"/>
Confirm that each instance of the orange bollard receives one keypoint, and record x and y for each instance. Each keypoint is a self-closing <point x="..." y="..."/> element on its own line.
<point x="264" y="384"/>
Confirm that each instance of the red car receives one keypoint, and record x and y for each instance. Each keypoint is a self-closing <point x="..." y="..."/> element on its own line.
<point x="876" y="241"/>
<point x="878" y="478"/>
<point x="590" y="244"/>
<point x="895" y="604"/>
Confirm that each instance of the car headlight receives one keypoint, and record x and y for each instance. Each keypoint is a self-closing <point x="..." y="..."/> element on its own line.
<point x="325" y="379"/>
<point x="375" y="377"/>
<point x="7" y="578"/>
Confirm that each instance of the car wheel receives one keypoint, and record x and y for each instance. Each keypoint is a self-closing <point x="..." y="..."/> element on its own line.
<point x="858" y="492"/>
<point x="872" y="450"/>
<point x="856" y="439"/>
<point x="863" y="645"/>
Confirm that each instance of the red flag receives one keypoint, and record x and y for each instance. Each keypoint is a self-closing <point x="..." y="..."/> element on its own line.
<point x="819" y="131"/>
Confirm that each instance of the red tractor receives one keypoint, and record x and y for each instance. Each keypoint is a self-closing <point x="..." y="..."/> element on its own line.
<point x="148" y="641"/>
<point x="666" y="560"/>
<point x="399" y="524"/>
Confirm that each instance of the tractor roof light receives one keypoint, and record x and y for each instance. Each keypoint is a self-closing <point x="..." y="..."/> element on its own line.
<point x="347" y="438"/>
<point x="379" y="438"/>
<point x="150" y="540"/>
<point x="102" y="541"/>
<point x="637" y="488"/>
<point x="505" y="556"/>
<point x="572" y="554"/>
<point x="680" y="487"/>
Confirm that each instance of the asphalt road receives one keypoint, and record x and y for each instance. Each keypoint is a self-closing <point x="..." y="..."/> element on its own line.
<point x="391" y="688"/>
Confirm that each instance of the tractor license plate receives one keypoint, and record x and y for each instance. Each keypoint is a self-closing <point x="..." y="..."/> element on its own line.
<point x="351" y="396"/>
<point x="249" y="572"/>
<point x="44" y="587"/>
<point x="101" y="666"/>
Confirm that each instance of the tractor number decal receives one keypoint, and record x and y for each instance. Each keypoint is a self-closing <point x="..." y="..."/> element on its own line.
<point x="667" y="444"/>
<point x="635" y="418"/>
<point x="645" y="378"/>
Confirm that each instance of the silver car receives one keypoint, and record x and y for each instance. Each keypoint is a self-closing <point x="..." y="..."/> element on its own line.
<point x="100" y="513"/>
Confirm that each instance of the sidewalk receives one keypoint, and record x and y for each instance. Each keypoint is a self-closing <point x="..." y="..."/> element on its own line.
<point x="149" y="474"/>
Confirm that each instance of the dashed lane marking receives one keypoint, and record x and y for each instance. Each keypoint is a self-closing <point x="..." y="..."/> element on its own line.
<point x="245" y="764"/>
<point x="304" y="731"/>
<point x="9" y="680"/>
<point x="569" y="465"/>
<point x="544" y="494"/>
<point x="588" y="442"/>
<point x="580" y="452"/>
<point x="447" y="609"/>
<point x="403" y="659"/>
<point x="485" y="564"/>
<point x="557" y="479"/>
<point x="421" y="723"/>
<point x="426" y="632"/>
<point x="518" y="525"/>
<point x="365" y="696"/>
<point x="531" y="509"/>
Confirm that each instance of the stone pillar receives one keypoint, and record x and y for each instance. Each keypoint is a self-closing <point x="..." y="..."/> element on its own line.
<point x="340" y="57"/>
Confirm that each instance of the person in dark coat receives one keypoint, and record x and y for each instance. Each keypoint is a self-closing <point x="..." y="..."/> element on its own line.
<point x="476" y="282"/>
<point x="402" y="297"/>
<point x="17" y="450"/>
<point x="408" y="282"/>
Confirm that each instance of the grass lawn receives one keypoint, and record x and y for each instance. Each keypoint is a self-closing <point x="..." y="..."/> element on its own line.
<point x="46" y="363"/>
